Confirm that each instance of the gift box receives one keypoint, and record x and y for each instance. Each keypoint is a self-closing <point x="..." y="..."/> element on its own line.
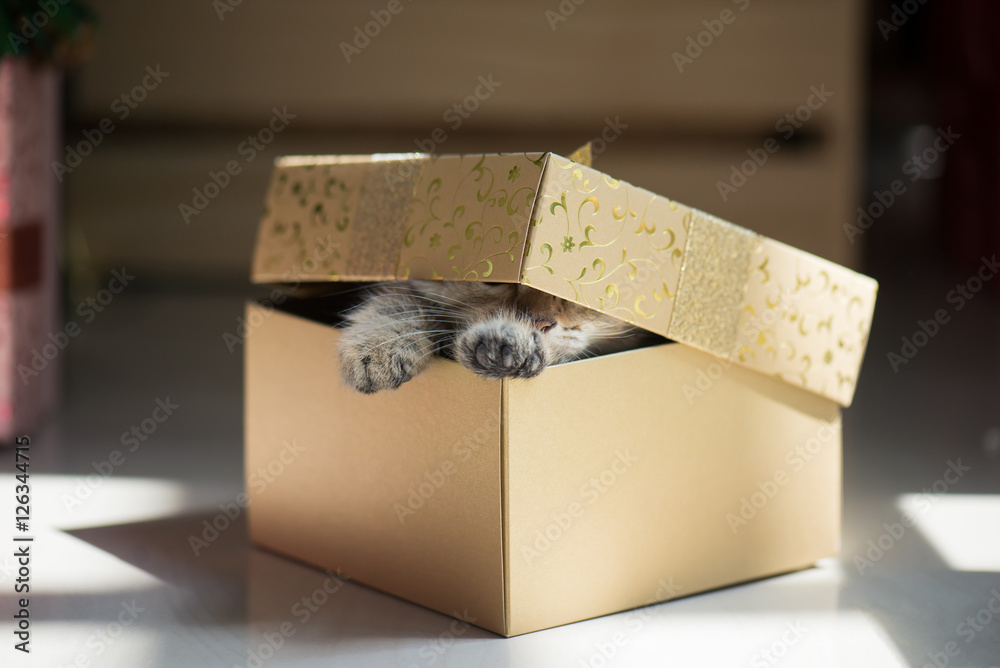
<point x="602" y="484"/>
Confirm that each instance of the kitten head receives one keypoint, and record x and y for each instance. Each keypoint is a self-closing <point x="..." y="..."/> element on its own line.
<point x="567" y="329"/>
<point x="496" y="330"/>
<point x="563" y="330"/>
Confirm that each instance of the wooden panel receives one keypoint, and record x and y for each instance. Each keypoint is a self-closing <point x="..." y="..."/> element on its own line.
<point x="606" y="59"/>
<point x="126" y="197"/>
<point x="557" y="87"/>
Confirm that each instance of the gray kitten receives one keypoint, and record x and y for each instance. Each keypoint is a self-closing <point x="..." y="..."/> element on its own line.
<point x="496" y="330"/>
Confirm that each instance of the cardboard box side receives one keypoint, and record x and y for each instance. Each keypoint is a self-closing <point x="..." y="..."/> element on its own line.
<point x="401" y="491"/>
<point x="505" y="500"/>
<point x="648" y="488"/>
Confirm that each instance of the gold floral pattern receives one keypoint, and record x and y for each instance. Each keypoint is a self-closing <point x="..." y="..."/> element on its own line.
<point x="698" y="280"/>
<point x="627" y="260"/>
<point x="574" y="232"/>
<point x="804" y="319"/>
<point x="480" y="221"/>
<point x="307" y="206"/>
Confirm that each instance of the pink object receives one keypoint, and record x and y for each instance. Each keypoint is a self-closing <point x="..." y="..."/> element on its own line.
<point x="29" y="360"/>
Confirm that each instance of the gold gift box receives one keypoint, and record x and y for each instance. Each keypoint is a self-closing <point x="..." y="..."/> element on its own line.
<point x="567" y="229"/>
<point x="599" y="486"/>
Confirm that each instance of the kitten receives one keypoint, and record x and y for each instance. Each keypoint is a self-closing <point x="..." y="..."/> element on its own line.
<point x="496" y="330"/>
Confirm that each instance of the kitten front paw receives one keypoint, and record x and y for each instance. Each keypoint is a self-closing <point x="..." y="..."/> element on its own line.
<point x="502" y="349"/>
<point x="370" y="367"/>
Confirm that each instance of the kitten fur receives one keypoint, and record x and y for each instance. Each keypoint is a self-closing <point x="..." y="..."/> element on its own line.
<point x="496" y="330"/>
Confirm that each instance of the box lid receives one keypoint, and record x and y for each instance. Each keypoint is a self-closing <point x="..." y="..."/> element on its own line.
<point x="563" y="227"/>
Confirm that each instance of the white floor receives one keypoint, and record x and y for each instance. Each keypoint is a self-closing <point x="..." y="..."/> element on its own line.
<point x="115" y="581"/>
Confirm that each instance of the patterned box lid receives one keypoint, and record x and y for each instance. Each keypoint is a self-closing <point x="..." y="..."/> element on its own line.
<point x="562" y="227"/>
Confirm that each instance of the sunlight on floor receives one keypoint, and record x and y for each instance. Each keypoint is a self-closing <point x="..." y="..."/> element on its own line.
<point x="59" y="558"/>
<point x="78" y="502"/>
<point x="963" y="528"/>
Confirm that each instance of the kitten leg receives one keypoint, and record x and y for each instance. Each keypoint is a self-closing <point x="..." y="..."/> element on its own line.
<point x="503" y="346"/>
<point x="388" y="340"/>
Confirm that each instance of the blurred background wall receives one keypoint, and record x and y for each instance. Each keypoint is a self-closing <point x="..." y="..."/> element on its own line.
<point x="682" y="93"/>
<point x="865" y="131"/>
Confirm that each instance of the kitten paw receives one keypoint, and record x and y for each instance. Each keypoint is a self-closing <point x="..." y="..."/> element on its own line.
<point x="372" y="367"/>
<point x="502" y="350"/>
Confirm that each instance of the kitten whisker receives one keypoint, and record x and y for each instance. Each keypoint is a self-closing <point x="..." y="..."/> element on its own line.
<point x="419" y="318"/>
<point x="410" y="292"/>
<point x="416" y="333"/>
<point x="429" y="315"/>
<point x="415" y="305"/>
<point x="618" y="335"/>
<point x="455" y="301"/>
<point x="435" y="351"/>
